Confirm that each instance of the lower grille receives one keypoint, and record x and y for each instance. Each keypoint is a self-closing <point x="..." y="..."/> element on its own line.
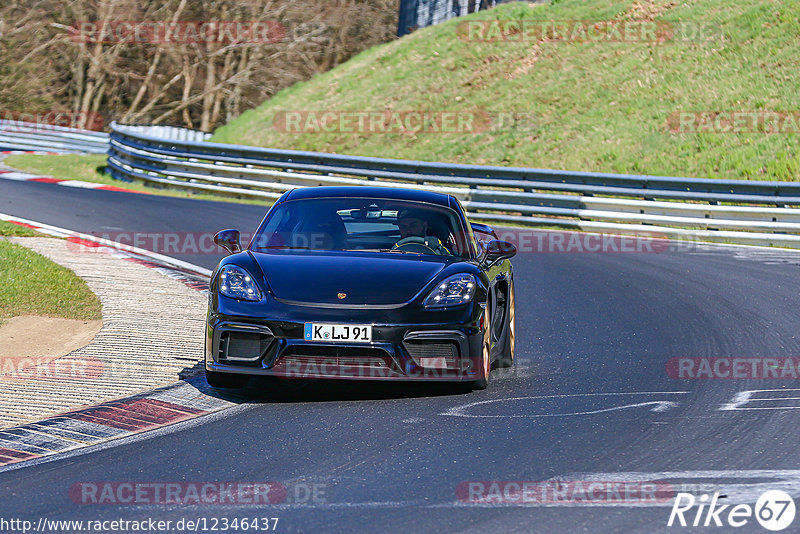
<point x="345" y="362"/>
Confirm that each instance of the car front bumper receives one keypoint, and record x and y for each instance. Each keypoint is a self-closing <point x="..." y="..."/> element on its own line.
<point x="415" y="352"/>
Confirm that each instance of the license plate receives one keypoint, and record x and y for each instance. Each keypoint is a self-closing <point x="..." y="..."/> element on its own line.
<point x="351" y="333"/>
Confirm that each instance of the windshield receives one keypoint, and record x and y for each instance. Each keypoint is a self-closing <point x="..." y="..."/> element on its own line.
<point x="358" y="224"/>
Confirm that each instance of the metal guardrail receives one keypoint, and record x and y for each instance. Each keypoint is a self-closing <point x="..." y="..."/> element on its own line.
<point x="17" y="135"/>
<point x="739" y="211"/>
<point x="167" y="132"/>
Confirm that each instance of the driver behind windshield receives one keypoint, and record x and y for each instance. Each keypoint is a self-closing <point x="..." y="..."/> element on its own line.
<point x="413" y="226"/>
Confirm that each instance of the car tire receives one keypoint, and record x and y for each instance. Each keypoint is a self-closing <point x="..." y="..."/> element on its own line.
<point x="226" y="380"/>
<point x="506" y="358"/>
<point x="486" y="355"/>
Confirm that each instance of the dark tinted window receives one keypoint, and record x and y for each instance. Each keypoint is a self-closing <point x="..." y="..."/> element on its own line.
<point x="359" y="224"/>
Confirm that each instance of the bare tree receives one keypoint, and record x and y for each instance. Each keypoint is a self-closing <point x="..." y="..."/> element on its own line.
<point x="49" y="61"/>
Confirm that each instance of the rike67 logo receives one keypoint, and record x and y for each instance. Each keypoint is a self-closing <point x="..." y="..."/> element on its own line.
<point x="774" y="510"/>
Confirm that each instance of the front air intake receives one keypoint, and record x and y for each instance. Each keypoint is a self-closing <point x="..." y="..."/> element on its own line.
<point x="433" y="354"/>
<point x="243" y="346"/>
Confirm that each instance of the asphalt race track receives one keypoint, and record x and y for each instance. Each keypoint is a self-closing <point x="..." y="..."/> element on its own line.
<point x="589" y="398"/>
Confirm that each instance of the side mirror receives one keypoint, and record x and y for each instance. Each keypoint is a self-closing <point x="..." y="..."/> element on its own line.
<point x="229" y="240"/>
<point x="497" y="250"/>
<point x="483" y="229"/>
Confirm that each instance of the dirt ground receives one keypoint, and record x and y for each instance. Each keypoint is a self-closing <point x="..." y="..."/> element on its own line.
<point x="29" y="336"/>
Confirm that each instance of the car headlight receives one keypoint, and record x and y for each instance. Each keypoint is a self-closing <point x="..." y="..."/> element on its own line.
<point x="236" y="283"/>
<point x="457" y="289"/>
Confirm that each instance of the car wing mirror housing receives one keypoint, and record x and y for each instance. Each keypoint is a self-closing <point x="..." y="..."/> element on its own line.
<point x="497" y="250"/>
<point x="229" y="240"/>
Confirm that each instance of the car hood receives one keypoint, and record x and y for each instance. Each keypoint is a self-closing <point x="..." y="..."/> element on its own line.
<point x="363" y="279"/>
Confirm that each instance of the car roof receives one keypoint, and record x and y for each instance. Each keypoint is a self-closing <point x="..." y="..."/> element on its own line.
<point x="387" y="193"/>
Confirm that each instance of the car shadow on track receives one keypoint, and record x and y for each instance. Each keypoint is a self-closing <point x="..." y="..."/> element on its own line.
<point x="273" y="390"/>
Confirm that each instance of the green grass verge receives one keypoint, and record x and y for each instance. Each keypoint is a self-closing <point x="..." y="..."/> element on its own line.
<point x="15" y="230"/>
<point x="34" y="285"/>
<point x="92" y="168"/>
<point x="88" y="168"/>
<point x="592" y="106"/>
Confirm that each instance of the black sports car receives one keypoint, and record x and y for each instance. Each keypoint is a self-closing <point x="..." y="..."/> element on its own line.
<point x="365" y="283"/>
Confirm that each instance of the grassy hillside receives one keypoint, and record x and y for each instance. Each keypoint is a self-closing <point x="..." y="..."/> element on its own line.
<point x="599" y="106"/>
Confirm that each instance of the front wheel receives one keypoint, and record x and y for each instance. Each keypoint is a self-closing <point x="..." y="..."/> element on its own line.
<point x="486" y="355"/>
<point x="226" y="380"/>
<point x="506" y="358"/>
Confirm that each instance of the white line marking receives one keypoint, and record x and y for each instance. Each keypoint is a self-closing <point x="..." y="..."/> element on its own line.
<point x="737" y="486"/>
<point x="743" y="397"/>
<point x="18" y="176"/>
<point x="736" y="491"/>
<point x="81" y="184"/>
<point x="660" y="406"/>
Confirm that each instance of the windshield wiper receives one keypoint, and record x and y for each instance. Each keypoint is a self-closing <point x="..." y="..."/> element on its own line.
<point x="283" y="247"/>
<point x="379" y="250"/>
<point x="398" y="251"/>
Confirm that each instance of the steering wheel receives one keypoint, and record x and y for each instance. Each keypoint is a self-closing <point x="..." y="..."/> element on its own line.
<point x="413" y="244"/>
